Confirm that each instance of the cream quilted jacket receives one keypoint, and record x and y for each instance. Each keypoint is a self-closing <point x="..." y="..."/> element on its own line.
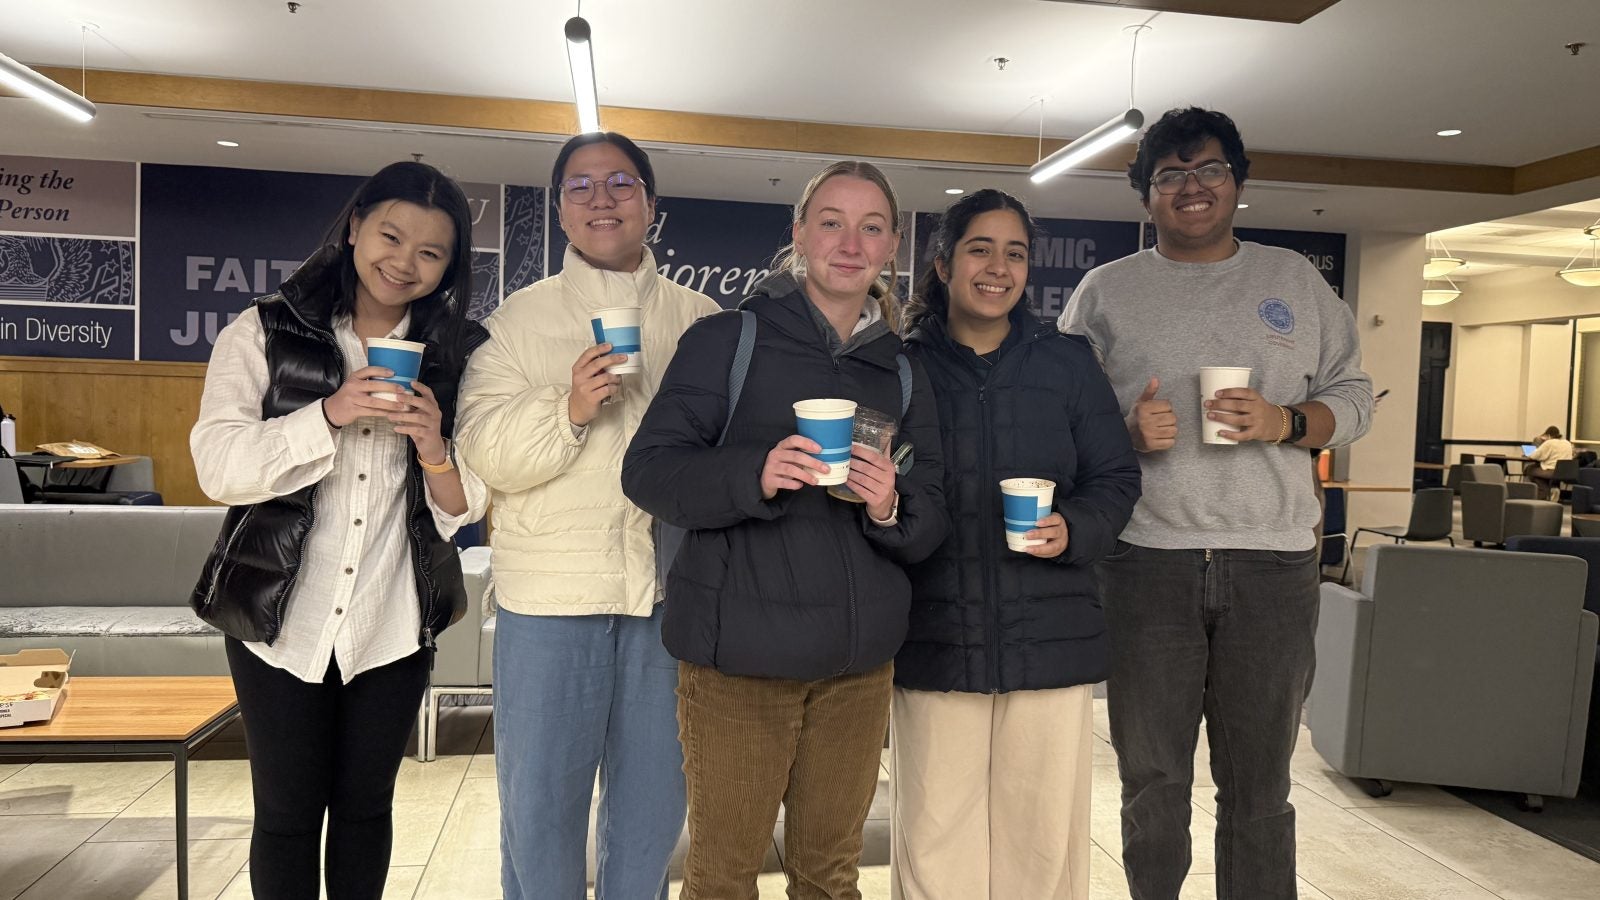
<point x="566" y="541"/>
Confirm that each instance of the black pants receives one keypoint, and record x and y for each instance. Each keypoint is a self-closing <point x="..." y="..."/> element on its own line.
<point x="329" y="748"/>
<point x="1229" y="636"/>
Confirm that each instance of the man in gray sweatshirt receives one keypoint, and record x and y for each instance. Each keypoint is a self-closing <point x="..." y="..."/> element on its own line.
<point x="1211" y="595"/>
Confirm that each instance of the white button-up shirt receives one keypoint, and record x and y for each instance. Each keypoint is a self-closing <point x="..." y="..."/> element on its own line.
<point x="355" y="600"/>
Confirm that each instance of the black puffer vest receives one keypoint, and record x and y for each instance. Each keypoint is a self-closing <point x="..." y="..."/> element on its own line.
<point x="245" y="586"/>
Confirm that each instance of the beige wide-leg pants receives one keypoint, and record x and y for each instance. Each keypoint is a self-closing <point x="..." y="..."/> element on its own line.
<point x="991" y="795"/>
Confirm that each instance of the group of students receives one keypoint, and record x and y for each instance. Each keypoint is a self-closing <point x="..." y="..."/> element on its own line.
<point x="758" y="666"/>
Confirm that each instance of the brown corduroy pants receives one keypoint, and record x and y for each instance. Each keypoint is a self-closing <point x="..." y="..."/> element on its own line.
<point x="751" y="743"/>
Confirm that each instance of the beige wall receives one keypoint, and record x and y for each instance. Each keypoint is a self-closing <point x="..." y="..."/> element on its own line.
<point x="1385" y="279"/>
<point x="1521" y="295"/>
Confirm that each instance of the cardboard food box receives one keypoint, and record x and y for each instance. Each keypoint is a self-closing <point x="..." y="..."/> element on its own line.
<point x="78" y="450"/>
<point x="32" y="685"/>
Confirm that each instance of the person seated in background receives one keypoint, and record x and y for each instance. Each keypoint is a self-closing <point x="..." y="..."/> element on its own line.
<point x="1549" y="448"/>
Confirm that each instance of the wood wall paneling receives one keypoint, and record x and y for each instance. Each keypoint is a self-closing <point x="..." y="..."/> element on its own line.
<point x="138" y="408"/>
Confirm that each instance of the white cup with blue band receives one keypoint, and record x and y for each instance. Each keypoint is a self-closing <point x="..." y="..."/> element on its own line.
<point x="830" y="423"/>
<point x="1026" y="501"/>
<point x="619" y="327"/>
<point x="403" y="358"/>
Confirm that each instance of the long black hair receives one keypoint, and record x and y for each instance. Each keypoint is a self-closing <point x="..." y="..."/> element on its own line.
<point x="427" y="187"/>
<point x="932" y="295"/>
<point x="1184" y="132"/>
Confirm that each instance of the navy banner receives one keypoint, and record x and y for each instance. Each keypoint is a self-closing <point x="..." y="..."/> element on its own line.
<point x="66" y="330"/>
<point x="1064" y="250"/>
<point x="214" y="239"/>
<point x="721" y="248"/>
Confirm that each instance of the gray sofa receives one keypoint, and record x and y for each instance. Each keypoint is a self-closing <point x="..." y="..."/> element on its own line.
<point x="111" y="584"/>
<point x="1459" y="667"/>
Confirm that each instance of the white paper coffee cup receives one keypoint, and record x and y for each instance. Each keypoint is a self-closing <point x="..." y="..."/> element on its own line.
<point x="1213" y="379"/>
<point x="619" y="327"/>
<point x="1025" y="501"/>
<point x="830" y="423"/>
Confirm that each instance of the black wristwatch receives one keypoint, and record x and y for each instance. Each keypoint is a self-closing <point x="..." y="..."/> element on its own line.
<point x="1297" y="426"/>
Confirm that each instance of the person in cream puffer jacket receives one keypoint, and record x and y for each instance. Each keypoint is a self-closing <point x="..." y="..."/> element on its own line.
<point x="581" y="680"/>
<point x="566" y="541"/>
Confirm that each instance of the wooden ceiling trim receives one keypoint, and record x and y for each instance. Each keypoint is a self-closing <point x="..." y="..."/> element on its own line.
<point x="701" y="129"/>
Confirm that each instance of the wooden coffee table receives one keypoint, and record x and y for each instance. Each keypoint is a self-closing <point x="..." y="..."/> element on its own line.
<point x="135" y="716"/>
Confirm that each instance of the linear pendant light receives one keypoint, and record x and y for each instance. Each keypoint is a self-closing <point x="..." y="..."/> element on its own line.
<point x="25" y="81"/>
<point x="580" y="57"/>
<point x="1107" y="135"/>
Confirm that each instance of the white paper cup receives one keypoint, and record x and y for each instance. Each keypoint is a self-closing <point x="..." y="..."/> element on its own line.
<point x="619" y="327"/>
<point x="830" y="423"/>
<point x="1025" y="501"/>
<point x="1213" y="379"/>
<point x="404" y="358"/>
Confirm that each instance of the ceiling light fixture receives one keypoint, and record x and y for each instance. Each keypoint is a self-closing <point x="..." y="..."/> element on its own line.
<point x="580" y="58"/>
<point x="1107" y="135"/>
<point x="1448" y="132"/>
<point x="25" y="81"/>
<point x="1585" y="276"/>
<point x="1438" y="296"/>
<point x="227" y="143"/>
<point x="952" y="190"/>
<point x="1244" y="206"/>
<point x="1440" y="261"/>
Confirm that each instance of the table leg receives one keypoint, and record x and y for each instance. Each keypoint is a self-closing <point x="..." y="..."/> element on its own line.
<point x="180" y="782"/>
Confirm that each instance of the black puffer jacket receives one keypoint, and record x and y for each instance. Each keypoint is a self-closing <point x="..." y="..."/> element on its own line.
<point x="985" y="618"/>
<point x="802" y="586"/>
<point x="250" y="574"/>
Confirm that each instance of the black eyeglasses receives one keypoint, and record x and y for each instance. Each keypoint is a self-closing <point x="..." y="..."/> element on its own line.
<point x="619" y="186"/>
<point x="1210" y="175"/>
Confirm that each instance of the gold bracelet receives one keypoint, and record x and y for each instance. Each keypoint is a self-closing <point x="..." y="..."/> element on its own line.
<point x="436" y="468"/>
<point x="1284" y="434"/>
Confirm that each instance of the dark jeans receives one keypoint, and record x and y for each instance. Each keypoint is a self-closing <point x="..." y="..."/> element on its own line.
<point x="329" y="748"/>
<point x="1227" y="634"/>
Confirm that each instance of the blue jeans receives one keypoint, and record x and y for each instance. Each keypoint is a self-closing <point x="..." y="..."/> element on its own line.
<point x="573" y="694"/>
<point x="1227" y="634"/>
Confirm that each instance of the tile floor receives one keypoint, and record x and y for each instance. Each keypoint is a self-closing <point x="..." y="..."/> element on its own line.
<point x="102" y="830"/>
<point x="95" y="830"/>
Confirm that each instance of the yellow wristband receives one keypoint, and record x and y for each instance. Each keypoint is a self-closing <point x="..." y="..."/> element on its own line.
<point x="436" y="468"/>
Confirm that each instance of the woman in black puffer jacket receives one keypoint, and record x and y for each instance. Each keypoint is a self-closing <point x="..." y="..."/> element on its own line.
<point x="992" y="708"/>
<point x="785" y="605"/>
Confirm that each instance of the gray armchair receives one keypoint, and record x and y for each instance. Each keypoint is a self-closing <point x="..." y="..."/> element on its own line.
<point x="1470" y="668"/>
<point x="464" y="663"/>
<point x="1492" y="512"/>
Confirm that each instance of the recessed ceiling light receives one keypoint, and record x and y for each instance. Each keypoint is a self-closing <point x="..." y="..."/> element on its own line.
<point x="1244" y="206"/>
<point x="952" y="190"/>
<point x="227" y="143"/>
<point x="1448" y="132"/>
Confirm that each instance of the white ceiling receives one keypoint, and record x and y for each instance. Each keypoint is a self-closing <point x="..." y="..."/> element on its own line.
<point x="1548" y="239"/>
<point x="1373" y="78"/>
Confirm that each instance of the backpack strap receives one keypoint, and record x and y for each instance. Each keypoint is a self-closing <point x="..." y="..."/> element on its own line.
<point x="741" y="368"/>
<point x="905" y="383"/>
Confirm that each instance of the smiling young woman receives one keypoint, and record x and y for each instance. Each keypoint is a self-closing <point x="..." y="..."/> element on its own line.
<point x="335" y="570"/>
<point x="578" y="638"/>
<point x="992" y="702"/>
<point x="785" y="606"/>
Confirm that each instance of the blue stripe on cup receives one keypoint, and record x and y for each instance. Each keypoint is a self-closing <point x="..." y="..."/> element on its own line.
<point x="623" y="339"/>
<point x="1017" y="510"/>
<point x="833" y="435"/>
<point x="404" y="363"/>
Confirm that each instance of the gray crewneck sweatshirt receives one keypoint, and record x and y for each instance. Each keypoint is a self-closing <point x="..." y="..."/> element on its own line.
<point x="1264" y="307"/>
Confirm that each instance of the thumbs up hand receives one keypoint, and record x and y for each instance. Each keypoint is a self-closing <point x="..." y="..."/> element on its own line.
<point x="1152" y="424"/>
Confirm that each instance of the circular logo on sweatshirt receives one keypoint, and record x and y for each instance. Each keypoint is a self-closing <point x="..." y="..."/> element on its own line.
<point x="1277" y="314"/>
